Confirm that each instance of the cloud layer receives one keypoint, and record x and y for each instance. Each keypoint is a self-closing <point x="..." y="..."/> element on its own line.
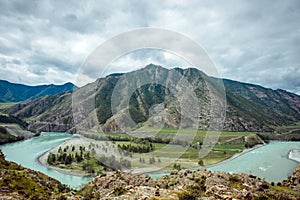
<point x="250" y="41"/>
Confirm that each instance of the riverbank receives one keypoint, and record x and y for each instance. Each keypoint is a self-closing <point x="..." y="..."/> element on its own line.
<point x="166" y="172"/>
<point x="24" y="183"/>
<point x="42" y="160"/>
<point x="26" y="152"/>
<point x="236" y="155"/>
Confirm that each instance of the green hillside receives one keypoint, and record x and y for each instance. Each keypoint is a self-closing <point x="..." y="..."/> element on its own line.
<point x="12" y="92"/>
<point x="249" y="107"/>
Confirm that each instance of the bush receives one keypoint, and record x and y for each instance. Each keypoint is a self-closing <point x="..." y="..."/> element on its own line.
<point x="200" y="162"/>
<point x="261" y="197"/>
<point x="119" y="190"/>
<point x="272" y="183"/>
<point x="186" y="195"/>
<point x="177" y="166"/>
<point x="234" y="179"/>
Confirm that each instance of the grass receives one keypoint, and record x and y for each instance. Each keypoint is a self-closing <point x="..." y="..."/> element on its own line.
<point x="229" y="147"/>
<point x="79" y="166"/>
<point x="284" y="189"/>
<point x="287" y="128"/>
<point x="6" y="105"/>
<point x="169" y="132"/>
<point x="187" y="156"/>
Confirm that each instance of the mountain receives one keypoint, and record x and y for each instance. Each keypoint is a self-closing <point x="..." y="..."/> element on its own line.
<point x="248" y="107"/>
<point x="13" y="92"/>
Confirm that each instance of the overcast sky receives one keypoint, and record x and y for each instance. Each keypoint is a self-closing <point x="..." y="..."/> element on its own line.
<point x="250" y="41"/>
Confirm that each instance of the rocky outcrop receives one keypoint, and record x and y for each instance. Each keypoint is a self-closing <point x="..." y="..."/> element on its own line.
<point x="293" y="181"/>
<point x="186" y="184"/>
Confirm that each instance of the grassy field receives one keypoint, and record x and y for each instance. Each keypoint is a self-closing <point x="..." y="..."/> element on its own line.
<point x="286" y="129"/>
<point x="163" y="153"/>
<point x="283" y="133"/>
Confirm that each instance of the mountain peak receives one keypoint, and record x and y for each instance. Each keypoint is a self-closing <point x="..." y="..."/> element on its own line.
<point x="153" y="66"/>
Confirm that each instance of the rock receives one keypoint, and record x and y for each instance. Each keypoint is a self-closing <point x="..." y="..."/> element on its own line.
<point x="199" y="183"/>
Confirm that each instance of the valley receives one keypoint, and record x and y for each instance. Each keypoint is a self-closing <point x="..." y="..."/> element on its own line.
<point x="148" y="154"/>
<point x="249" y="108"/>
<point x="161" y="137"/>
<point x="21" y="183"/>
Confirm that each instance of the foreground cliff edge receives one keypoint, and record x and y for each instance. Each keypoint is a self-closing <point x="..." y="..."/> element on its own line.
<point x="17" y="182"/>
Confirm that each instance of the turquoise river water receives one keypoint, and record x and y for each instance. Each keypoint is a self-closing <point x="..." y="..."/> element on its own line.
<point x="26" y="152"/>
<point x="269" y="162"/>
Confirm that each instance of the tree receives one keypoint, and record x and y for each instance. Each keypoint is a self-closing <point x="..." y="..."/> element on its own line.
<point x="88" y="155"/>
<point x="68" y="159"/>
<point x="200" y="162"/>
<point x="93" y="152"/>
<point x="151" y="160"/>
<point x="51" y="158"/>
<point x="78" y="157"/>
<point x="177" y="166"/>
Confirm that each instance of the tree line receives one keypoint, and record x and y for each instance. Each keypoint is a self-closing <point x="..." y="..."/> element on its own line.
<point x="137" y="148"/>
<point x="160" y="140"/>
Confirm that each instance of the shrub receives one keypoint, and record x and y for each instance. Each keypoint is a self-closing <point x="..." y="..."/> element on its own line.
<point x="200" y="162"/>
<point x="234" y="179"/>
<point x="186" y="195"/>
<point x="119" y="190"/>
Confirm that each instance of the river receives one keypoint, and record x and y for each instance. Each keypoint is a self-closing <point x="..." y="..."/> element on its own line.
<point x="269" y="162"/>
<point x="26" y="152"/>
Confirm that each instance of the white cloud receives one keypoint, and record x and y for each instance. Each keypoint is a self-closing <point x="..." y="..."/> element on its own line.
<point x="248" y="40"/>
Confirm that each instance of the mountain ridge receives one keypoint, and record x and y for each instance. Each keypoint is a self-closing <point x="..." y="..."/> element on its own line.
<point x="250" y="107"/>
<point x="16" y="92"/>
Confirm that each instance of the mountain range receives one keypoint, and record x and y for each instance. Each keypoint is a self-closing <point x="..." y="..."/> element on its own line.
<point x="13" y="92"/>
<point x="248" y="107"/>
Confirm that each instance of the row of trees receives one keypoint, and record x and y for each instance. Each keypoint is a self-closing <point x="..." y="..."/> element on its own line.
<point x="152" y="160"/>
<point x="67" y="158"/>
<point x="63" y="157"/>
<point x="137" y="148"/>
<point x="165" y="140"/>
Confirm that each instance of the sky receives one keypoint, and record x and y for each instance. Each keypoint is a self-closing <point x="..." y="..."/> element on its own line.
<point x="258" y="41"/>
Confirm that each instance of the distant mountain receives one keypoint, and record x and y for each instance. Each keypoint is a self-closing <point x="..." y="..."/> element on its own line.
<point x="249" y="107"/>
<point x="13" y="92"/>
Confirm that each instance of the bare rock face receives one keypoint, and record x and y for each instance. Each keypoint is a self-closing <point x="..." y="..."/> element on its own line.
<point x="51" y="127"/>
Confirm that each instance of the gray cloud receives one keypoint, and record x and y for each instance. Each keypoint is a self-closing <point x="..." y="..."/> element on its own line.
<point x="251" y="41"/>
